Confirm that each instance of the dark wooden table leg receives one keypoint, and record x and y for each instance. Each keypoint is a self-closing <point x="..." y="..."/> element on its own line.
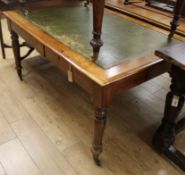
<point x="102" y="97"/>
<point x="177" y="14"/>
<point x="164" y="137"/>
<point x="2" y="41"/>
<point x="126" y="2"/>
<point x="16" y="51"/>
<point x="98" y="12"/>
<point x="99" y="127"/>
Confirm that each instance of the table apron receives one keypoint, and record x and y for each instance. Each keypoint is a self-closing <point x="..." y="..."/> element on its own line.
<point x="109" y="90"/>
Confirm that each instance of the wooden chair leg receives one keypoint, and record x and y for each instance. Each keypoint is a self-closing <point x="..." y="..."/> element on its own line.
<point x="177" y="14"/>
<point x="2" y="41"/>
<point x="98" y="11"/>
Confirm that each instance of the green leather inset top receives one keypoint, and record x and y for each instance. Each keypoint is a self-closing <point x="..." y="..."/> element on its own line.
<point x="122" y="39"/>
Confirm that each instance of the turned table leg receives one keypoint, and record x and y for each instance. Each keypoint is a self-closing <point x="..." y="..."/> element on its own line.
<point x="164" y="137"/>
<point x="98" y="12"/>
<point x="102" y="97"/>
<point x="99" y="127"/>
<point x="16" y="51"/>
<point x="177" y="14"/>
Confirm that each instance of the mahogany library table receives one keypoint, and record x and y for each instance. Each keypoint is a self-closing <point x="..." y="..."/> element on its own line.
<point x="62" y="36"/>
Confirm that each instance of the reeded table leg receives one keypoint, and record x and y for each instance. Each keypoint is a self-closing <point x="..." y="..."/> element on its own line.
<point x="164" y="137"/>
<point x="99" y="127"/>
<point x="16" y="51"/>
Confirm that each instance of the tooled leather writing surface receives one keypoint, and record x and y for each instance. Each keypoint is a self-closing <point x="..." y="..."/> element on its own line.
<point x="123" y="40"/>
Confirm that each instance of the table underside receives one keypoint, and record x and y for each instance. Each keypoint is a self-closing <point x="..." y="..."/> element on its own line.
<point x="123" y="40"/>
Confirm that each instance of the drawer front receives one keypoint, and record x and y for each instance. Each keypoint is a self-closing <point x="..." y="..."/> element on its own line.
<point x="56" y="59"/>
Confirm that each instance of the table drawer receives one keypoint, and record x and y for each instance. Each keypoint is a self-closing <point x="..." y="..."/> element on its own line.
<point x="56" y="59"/>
